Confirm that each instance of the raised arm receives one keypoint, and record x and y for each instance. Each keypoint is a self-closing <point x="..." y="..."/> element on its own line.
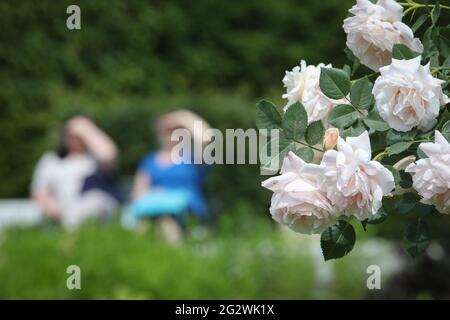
<point x="98" y="143"/>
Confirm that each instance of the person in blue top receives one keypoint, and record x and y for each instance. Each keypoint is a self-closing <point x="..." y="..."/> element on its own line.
<point x="166" y="190"/>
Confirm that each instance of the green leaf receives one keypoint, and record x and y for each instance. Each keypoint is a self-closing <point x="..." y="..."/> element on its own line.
<point x="406" y="180"/>
<point x="375" y="122"/>
<point x="284" y="146"/>
<point x="436" y="13"/>
<point x="267" y="116"/>
<point x="355" y="130"/>
<point x="402" y="52"/>
<point x="396" y="136"/>
<point x="338" y="240"/>
<point x="389" y="204"/>
<point x="446" y="130"/>
<point x="421" y="154"/>
<point x="346" y="68"/>
<point x="434" y="61"/>
<point x="446" y="127"/>
<point x="423" y="209"/>
<point x="349" y="54"/>
<point x="315" y="132"/>
<point x="307" y="154"/>
<point x="378" y="141"/>
<point x="419" y="22"/>
<point x="430" y="48"/>
<point x="334" y="83"/>
<point x="399" y="147"/>
<point x="351" y="57"/>
<point x="342" y="116"/>
<point x="407" y="203"/>
<point x="426" y="136"/>
<point x="379" y="217"/>
<point x="361" y="93"/>
<point x="295" y="121"/>
<point x="443" y="44"/>
<point x="417" y="238"/>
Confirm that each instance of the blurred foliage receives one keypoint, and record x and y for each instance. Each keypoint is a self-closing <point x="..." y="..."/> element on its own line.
<point x="135" y="59"/>
<point x="143" y="47"/>
<point x="241" y="260"/>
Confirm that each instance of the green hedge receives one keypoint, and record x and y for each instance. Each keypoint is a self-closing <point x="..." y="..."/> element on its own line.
<point x="132" y="60"/>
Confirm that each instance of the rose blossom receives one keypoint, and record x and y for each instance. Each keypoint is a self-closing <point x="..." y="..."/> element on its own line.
<point x="354" y="184"/>
<point x="373" y="30"/>
<point x="408" y="96"/>
<point x="431" y="176"/>
<point x="302" y="85"/>
<point x="296" y="200"/>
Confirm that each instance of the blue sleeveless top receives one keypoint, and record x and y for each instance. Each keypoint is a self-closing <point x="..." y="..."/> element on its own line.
<point x="187" y="178"/>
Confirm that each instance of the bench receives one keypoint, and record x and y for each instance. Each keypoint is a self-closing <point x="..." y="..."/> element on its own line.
<point x="19" y="212"/>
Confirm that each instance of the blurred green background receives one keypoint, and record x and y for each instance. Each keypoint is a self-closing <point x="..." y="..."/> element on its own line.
<point x="135" y="59"/>
<point x="131" y="61"/>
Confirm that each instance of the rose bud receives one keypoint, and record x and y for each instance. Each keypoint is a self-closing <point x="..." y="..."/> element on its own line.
<point x="330" y="138"/>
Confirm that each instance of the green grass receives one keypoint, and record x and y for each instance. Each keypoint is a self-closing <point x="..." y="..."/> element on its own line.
<point x="246" y="257"/>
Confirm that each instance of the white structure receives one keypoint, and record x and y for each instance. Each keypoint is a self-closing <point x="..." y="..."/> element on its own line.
<point x="18" y="212"/>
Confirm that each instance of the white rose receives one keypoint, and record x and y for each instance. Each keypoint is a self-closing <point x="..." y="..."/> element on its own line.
<point x="302" y="85"/>
<point x="354" y="184"/>
<point x="431" y="176"/>
<point x="408" y="96"/>
<point x="373" y="30"/>
<point x="297" y="201"/>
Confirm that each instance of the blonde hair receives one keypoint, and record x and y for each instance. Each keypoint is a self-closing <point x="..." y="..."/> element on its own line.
<point x="186" y="119"/>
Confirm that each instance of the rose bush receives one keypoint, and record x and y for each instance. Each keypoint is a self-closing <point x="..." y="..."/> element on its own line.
<point x="382" y="138"/>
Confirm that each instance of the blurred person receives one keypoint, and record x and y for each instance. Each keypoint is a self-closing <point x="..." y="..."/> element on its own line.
<point x="75" y="183"/>
<point x="167" y="191"/>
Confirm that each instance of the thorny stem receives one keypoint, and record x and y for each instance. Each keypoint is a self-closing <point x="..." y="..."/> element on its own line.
<point x="307" y="145"/>
<point x="385" y="152"/>
<point x="381" y="155"/>
<point x="368" y="76"/>
<point x="413" y="5"/>
<point x="437" y="69"/>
